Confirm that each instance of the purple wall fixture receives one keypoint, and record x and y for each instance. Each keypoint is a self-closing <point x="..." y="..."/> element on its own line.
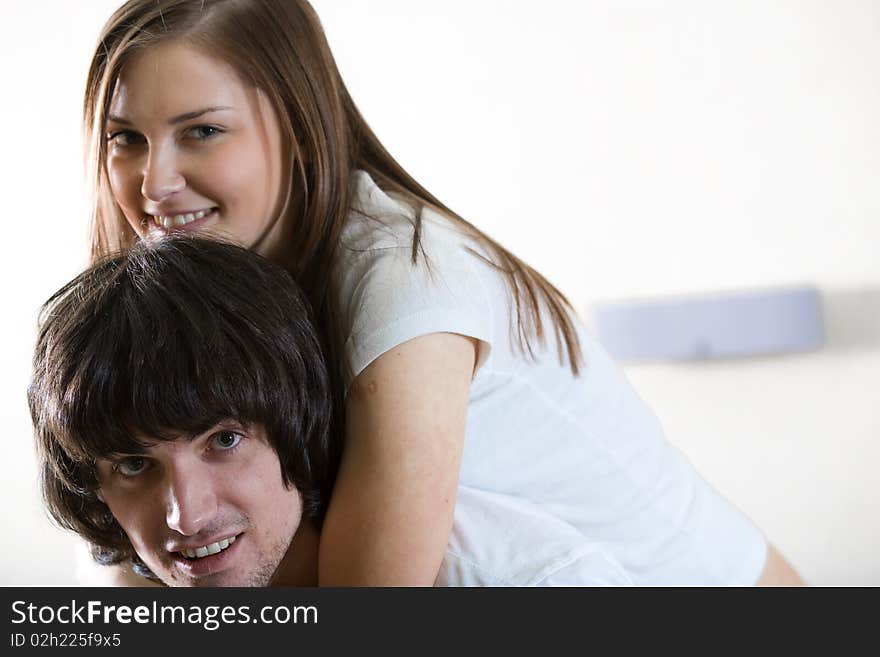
<point x="724" y="325"/>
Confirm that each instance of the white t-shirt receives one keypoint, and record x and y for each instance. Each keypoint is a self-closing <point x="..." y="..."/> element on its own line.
<point x="501" y="541"/>
<point x="586" y="451"/>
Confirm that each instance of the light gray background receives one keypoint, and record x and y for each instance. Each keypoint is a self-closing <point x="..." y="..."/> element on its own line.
<point x="627" y="149"/>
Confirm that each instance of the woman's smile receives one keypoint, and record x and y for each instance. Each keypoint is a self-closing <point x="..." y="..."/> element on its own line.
<point x="184" y="220"/>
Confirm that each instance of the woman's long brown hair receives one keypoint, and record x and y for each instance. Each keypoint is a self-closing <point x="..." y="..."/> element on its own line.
<point x="279" y="46"/>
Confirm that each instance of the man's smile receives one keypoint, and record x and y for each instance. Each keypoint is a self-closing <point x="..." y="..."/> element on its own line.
<point x="207" y="550"/>
<point x="209" y="559"/>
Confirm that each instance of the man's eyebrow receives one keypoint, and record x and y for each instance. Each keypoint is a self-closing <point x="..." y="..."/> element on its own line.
<point x="223" y="425"/>
<point x="116" y="456"/>
<point x="180" y="118"/>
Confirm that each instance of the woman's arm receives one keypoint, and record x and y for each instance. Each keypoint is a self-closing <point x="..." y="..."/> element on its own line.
<point x="777" y="571"/>
<point x="391" y="512"/>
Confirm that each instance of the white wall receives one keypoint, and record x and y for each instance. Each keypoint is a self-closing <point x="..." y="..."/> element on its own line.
<point x="627" y="148"/>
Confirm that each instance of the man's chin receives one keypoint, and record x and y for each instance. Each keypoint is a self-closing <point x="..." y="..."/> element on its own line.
<point x="258" y="578"/>
<point x="239" y="565"/>
<point x="218" y="580"/>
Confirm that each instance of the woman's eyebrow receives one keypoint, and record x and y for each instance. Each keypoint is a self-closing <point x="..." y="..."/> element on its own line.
<point x="180" y="118"/>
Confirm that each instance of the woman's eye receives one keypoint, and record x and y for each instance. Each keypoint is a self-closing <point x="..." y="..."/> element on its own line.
<point x="203" y="132"/>
<point x="131" y="466"/>
<point x="125" y="138"/>
<point x="226" y="440"/>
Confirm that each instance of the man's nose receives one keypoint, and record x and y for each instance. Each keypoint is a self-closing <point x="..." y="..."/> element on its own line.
<point x="162" y="175"/>
<point x="191" y="501"/>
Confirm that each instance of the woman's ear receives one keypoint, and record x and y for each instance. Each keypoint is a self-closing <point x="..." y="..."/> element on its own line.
<point x="100" y="495"/>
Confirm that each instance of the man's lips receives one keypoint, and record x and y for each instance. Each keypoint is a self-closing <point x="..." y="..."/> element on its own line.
<point x="212" y="563"/>
<point x="206" y="548"/>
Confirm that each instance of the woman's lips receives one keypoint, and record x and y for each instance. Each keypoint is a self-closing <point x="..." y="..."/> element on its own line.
<point x="181" y="222"/>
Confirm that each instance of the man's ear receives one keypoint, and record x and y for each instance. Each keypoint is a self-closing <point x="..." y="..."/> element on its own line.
<point x="100" y="496"/>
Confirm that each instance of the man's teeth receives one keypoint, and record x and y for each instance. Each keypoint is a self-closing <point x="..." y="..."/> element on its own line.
<point x="180" y="219"/>
<point x="207" y="550"/>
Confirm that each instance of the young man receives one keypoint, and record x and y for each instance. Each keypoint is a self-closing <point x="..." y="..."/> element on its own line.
<point x="184" y="421"/>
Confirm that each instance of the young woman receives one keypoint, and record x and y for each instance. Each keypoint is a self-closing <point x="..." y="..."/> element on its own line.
<point x="455" y="362"/>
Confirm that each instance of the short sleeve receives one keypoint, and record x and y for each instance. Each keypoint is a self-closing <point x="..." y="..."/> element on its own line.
<point x="389" y="299"/>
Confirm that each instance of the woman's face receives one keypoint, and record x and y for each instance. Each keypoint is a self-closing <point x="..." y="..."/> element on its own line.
<point x="191" y="147"/>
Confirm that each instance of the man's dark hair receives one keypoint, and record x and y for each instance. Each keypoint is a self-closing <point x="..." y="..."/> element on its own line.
<point x="167" y="338"/>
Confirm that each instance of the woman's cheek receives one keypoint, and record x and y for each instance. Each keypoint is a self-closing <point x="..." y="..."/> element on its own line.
<point x="116" y="175"/>
<point x="124" y="187"/>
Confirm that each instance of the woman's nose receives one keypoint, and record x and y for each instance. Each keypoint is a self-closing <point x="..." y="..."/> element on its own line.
<point x="161" y="176"/>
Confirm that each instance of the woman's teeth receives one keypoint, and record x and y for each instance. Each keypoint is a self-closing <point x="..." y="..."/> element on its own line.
<point x="208" y="550"/>
<point x="180" y="219"/>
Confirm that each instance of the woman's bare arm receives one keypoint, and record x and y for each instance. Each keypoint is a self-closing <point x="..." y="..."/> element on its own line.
<point x="777" y="570"/>
<point x="391" y="512"/>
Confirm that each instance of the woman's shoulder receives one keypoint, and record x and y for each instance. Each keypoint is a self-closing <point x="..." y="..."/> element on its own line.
<point x="393" y="252"/>
<point x="393" y="288"/>
<point x="375" y="219"/>
<point x="380" y="220"/>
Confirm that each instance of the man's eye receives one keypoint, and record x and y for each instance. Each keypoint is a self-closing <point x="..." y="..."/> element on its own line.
<point x="226" y="440"/>
<point x="125" y="138"/>
<point x="131" y="466"/>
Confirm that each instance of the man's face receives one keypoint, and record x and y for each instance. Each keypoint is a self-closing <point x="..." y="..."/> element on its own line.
<point x="211" y="510"/>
